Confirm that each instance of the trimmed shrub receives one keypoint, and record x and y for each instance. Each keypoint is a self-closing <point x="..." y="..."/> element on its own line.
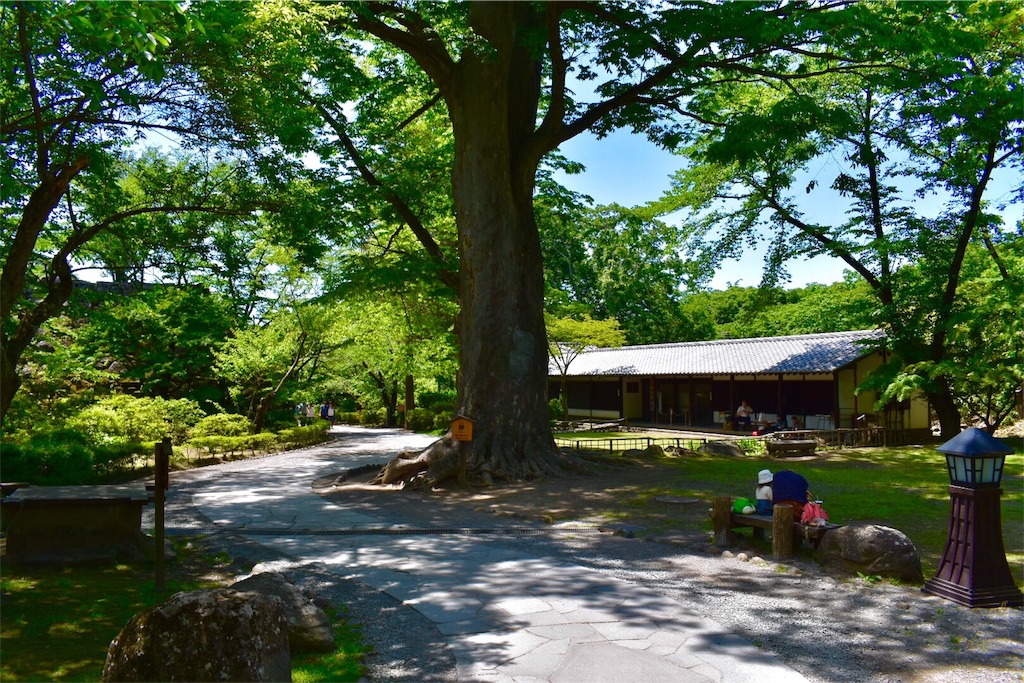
<point x="230" y="446"/>
<point x="264" y="442"/>
<point x="55" y="458"/>
<point x="348" y="418"/>
<point x="443" y="420"/>
<point x="180" y="416"/>
<point x="134" y="420"/>
<point x="217" y="445"/>
<point x="109" y="458"/>
<point x="752" y="446"/>
<point x="222" y="424"/>
<point x="555" y="409"/>
<point x="306" y="436"/>
<point x="373" y="418"/>
<point x="437" y="401"/>
<point x="421" y="420"/>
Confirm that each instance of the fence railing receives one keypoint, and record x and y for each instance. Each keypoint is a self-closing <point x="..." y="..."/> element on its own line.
<point x="629" y="443"/>
<point x="849" y="437"/>
<point x="832" y="438"/>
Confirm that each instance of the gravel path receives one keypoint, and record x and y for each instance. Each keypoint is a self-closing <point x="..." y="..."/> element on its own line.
<point x="830" y="630"/>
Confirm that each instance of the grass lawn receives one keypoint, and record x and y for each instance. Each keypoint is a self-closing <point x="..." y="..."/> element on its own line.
<point x="906" y="488"/>
<point x="56" y="623"/>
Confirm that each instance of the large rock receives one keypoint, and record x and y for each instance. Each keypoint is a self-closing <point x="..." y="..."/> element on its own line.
<point x="206" y="635"/>
<point x="652" y="451"/>
<point x="309" y="628"/>
<point x="722" y="448"/>
<point x="872" y="550"/>
<point x="680" y="452"/>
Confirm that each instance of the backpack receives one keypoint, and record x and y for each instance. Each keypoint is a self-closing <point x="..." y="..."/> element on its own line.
<point x="813" y="514"/>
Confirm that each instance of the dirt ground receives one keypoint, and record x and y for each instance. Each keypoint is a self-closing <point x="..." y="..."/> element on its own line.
<point x="617" y="496"/>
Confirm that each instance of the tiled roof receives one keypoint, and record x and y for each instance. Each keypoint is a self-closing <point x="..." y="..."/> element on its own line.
<point x="804" y="353"/>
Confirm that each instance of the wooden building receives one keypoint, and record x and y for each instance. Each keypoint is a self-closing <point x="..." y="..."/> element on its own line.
<point x="812" y="377"/>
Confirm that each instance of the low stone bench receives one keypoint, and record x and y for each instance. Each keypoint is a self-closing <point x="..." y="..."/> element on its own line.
<point x="56" y="524"/>
<point x="788" y="446"/>
<point x="787" y="533"/>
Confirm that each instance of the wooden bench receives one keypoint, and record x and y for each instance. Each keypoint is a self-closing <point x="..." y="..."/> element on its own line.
<point x="787" y="532"/>
<point x="798" y="446"/>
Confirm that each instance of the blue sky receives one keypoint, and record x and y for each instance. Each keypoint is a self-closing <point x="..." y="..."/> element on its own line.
<point x="626" y="169"/>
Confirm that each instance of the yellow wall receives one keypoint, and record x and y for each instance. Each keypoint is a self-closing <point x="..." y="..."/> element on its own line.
<point x="633" y="402"/>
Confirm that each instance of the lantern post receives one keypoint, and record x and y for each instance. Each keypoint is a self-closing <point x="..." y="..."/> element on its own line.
<point x="973" y="570"/>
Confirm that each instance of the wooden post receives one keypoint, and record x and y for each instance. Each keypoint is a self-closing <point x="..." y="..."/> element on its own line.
<point x="162" y="481"/>
<point x="462" y="433"/>
<point x="721" y="509"/>
<point x="782" y="532"/>
<point x="463" y="481"/>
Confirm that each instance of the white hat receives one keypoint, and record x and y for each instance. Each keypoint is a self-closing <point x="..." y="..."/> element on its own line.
<point x="764" y="477"/>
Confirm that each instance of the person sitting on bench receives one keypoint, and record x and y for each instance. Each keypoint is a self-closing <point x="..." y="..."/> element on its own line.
<point x="743" y="415"/>
<point x="790" y="488"/>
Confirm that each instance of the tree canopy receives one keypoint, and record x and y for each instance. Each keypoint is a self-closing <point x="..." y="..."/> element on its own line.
<point x="82" y="83"/>
<point x="395" y="160"/>
<point x="937" y="121"/>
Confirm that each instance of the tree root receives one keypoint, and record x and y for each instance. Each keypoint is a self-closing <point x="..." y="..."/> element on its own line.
<point x="440" y="462"/>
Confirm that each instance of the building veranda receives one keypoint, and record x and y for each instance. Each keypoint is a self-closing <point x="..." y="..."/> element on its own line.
<point x="811" y="380"/>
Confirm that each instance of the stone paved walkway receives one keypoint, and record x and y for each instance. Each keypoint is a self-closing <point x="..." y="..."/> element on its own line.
<point x="508" y="616"/>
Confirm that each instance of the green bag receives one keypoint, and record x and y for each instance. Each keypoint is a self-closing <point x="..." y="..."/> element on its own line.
<point x="741" y="504"/>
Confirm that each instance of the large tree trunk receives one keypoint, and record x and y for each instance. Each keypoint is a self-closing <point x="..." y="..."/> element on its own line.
<point x="503" y="347"/>
<point x="941" y="399"/>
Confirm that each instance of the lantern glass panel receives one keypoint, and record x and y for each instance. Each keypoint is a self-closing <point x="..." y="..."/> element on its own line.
<point x="991" y="470"/>
<point x="958" y="469"/>
<point x="965" y="470"/>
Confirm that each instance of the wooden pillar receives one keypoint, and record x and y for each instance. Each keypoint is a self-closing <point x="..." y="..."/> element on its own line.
<point x="622" y="397"/>
<point x="721" y="509"/>
<point x="652" y="400"/>
<point x="856" y="403"/>
<point x="782" y="532"/>
<point x="730" y="414"/>
<point x="590" y="396"/>
<point x="780" y="409"/>
<point x="835" y="400"/>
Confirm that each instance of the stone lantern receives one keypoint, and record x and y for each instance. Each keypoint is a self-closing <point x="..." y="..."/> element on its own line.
<point x="973" y="570"/>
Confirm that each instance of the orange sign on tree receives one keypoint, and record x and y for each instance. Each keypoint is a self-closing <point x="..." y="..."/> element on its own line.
<point x="462" y="429"/>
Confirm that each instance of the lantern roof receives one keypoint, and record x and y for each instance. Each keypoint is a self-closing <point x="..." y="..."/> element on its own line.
<point x="973" y="442"/>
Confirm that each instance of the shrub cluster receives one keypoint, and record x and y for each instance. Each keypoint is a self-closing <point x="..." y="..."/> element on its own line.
<point x="128" y="419"/>
<point x="437" y="401"/>
<point x="373" y="418"/>
<point x="307" y="435"/>
<point x="555" y="409"/>
<point x="420" y="420"/>
<point x="231" y="446"/>
<point x="114" y="434"/>
<point x="221" y="424"/>
<point x="443" y="420"/>
<point x="62" y="456"/>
